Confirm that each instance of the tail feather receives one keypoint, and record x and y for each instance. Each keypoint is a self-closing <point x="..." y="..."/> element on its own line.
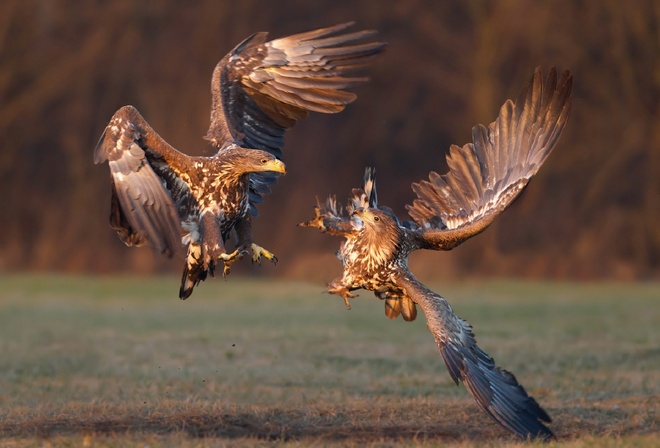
<point x="195" y="271"/>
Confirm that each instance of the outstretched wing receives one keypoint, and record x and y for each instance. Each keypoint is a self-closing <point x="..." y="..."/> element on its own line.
<point x="485" y="176"/>
<point x="143" y="182"/>
<point x="496" y="390"/>
<point x="262" y="88"/>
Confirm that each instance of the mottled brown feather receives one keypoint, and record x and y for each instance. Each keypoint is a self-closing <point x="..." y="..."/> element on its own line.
<point x="487" y="175"/>
<point x="259" y="89"/>
<point x="484" y="177"/>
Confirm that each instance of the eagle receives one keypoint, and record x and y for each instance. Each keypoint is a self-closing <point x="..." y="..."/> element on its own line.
<point x="166" y="198"/>
<point x="484" y="178"/>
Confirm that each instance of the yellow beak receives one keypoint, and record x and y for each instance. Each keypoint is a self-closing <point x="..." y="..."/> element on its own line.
<point x="276" y="166"/>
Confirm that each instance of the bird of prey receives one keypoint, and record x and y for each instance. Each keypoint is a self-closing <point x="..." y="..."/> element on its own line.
<point x="484" y="177"/>
<point x="166" y="198"/>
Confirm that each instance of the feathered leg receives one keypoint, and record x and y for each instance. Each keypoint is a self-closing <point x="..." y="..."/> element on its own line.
<point x="398" y="304"/>
<point x="203" y="255"/>
<point x="244" y="234"/>
<point x="194" y="271"/>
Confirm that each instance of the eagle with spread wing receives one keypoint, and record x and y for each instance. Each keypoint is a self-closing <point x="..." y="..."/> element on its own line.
<point x="166" y="198"/>
<point x="484" y="178"/>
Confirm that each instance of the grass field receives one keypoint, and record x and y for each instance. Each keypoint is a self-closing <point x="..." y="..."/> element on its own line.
<point x="123" y="362"/>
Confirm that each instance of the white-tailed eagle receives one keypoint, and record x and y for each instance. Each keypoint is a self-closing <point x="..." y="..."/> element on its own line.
<point x="484" y="178"/>
<point x="166" y="198"/>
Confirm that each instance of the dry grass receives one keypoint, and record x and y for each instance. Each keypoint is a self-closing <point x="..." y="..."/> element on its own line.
<point x="122" y="362"/>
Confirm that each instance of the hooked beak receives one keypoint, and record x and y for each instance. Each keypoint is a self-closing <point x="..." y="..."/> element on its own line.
<point x="276" y="166"/>
<point x="356" y="221"/>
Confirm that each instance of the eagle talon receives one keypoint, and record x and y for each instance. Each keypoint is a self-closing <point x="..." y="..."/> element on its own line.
<point x="317" y="221"/>
<point x="343" y="292"/>
<point x="258" y="252"/>
<point x="347" y="302"/>
<point x="230" y="259"/>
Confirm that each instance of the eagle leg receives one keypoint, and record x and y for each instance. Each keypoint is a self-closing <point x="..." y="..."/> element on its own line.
<point x="258" y="252"/>
<point x="337" y="287"/>
<point x="396" y="304"/>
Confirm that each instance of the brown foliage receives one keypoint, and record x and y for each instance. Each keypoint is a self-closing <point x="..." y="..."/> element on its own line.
<point x="592" y="211"/>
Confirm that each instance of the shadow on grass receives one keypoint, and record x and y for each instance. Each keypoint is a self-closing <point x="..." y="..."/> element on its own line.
<point x="333" y="425"/>
<point x="409" y="422"/>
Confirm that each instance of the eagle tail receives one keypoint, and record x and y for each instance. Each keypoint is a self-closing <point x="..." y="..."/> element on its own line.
<point x="194" y="271"/>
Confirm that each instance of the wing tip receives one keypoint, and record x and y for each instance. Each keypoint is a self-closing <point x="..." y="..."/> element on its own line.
<point x="100" y="152"/>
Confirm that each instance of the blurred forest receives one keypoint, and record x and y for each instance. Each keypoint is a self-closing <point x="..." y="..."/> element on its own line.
<point x="593" y="211"/>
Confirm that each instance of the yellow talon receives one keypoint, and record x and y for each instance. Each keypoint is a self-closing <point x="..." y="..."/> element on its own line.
<point x="258" y="252"/>
<point x="230" y="259"/>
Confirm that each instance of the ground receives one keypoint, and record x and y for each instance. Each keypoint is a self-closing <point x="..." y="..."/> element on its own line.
<point x="117" y="361"/>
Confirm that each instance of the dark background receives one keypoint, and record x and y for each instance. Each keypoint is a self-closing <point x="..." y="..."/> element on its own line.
<point x="592" y="212"/>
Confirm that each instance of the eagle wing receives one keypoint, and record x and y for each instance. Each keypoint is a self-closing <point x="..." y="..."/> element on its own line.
<point x="496" y="390"/>
<point x="485" y="176"/>
<point x="143" y="182"/>
<point x="262" y="88"/>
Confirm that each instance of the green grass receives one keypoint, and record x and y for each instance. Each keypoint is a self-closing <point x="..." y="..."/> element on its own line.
<point x="121" y="361"/>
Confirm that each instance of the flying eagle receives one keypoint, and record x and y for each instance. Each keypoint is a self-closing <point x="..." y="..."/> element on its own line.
<point x="484" y="177"/>
<point x="166" y="198"/>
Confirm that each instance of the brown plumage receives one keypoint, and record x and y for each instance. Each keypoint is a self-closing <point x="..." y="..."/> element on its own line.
<point x="484" y="178"/>
<point x="259" y="89"/>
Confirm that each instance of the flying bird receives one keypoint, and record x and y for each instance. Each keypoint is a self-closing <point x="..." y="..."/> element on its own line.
<point x="484" y="178"/>
<point x="166" y="198"/>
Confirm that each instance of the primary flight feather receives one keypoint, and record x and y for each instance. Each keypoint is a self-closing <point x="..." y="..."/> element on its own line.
<point x="484" y="178"/>
<point x="259" y="89"/>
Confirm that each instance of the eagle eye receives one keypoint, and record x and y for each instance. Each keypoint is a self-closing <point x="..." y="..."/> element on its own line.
<point x="376" y="218"/>
<point x="264" y="161"/>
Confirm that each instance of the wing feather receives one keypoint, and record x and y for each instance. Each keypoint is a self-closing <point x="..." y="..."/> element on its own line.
<point x="495" y="390"/>
<point x="143" y="209"/>
<point x="485" y="176"/>
<point x="262" y="88"/>
<point x="286" y="78"/>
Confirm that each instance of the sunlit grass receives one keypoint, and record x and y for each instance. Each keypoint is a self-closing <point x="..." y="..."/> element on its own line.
<point x="253" y="362"/>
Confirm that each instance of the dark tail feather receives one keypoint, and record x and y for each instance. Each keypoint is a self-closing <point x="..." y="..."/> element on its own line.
<point x="194" y="271"/>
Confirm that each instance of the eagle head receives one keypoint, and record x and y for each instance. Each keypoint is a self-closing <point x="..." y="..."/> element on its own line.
<point x="379" y="234"/>
<point x="256" y="161"/>
<point x="375" y="219"/>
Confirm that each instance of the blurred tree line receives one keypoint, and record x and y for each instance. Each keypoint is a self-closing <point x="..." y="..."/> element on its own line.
<point x="593" y="211"/>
